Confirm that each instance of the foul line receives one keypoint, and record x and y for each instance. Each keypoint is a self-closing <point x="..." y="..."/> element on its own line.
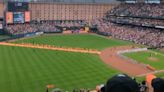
<point x="155" y="72"/>
<point x="156" y="52"/>
<point x="48" y="47"/>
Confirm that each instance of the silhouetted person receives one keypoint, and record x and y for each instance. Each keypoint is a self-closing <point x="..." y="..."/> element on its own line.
<point x="121" y="83"/>
<point x="158" y="85"/>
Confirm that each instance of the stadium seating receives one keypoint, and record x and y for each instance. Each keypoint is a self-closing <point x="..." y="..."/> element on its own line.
<point x="139" y="23"/>
<point x="139" y="10"/>
<point x="43" y="26"/>
<point x="140" y="35"/>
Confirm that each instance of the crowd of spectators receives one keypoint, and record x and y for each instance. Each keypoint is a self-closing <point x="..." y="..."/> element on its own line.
<point x="42" y="26"/>
<point x="16" y="29"/>
<point x="72" y="23"/>
<point x="139" y="10"/>
<point x="140" y="14"/>
<point x="138" y="21"/>
<point x="140" y="35"/>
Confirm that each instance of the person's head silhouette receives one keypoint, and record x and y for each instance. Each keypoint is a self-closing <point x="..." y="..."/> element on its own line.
<point x="158" y="85"/>
<point x="121" y="83"/>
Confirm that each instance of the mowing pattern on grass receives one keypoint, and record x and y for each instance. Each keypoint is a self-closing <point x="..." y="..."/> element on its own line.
<point x="30" y="70"/>
<point x="79" y="41"/>
<point x="144" y="57"/>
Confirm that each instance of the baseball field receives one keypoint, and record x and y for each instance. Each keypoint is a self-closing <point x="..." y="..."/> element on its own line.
<point x="89" y="41"/>
<point x="31" y="70"/>
<point x="150" y="57"/>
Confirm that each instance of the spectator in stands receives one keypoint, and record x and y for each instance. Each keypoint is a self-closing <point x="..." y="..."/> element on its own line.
<point x="143" y="86"/>
<point x="43" y="26"/>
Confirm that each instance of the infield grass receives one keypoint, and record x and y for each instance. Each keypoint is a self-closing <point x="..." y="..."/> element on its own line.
<point x="153" y="58"/>
<point x="76" y="40"/>
<point x="30" y="70"/>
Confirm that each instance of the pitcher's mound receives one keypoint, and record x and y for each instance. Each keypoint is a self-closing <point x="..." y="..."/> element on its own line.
<point x="154" y="59"/>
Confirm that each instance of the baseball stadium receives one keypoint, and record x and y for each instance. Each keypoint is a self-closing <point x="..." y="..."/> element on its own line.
<point x="81" y="45"/>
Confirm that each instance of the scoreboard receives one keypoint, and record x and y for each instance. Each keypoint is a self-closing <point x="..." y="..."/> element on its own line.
<point x="18" y="6"/>
<point x="17" y="17"/>
<point x="17" y="12"/>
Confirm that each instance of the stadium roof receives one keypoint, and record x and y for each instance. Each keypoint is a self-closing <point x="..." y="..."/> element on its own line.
<point x="67" y="1"/>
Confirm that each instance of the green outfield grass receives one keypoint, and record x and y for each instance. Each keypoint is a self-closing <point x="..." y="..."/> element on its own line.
<point x="79" y="40"/>
<point x="30" y="70"/>
<point x="144" y="57"/>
